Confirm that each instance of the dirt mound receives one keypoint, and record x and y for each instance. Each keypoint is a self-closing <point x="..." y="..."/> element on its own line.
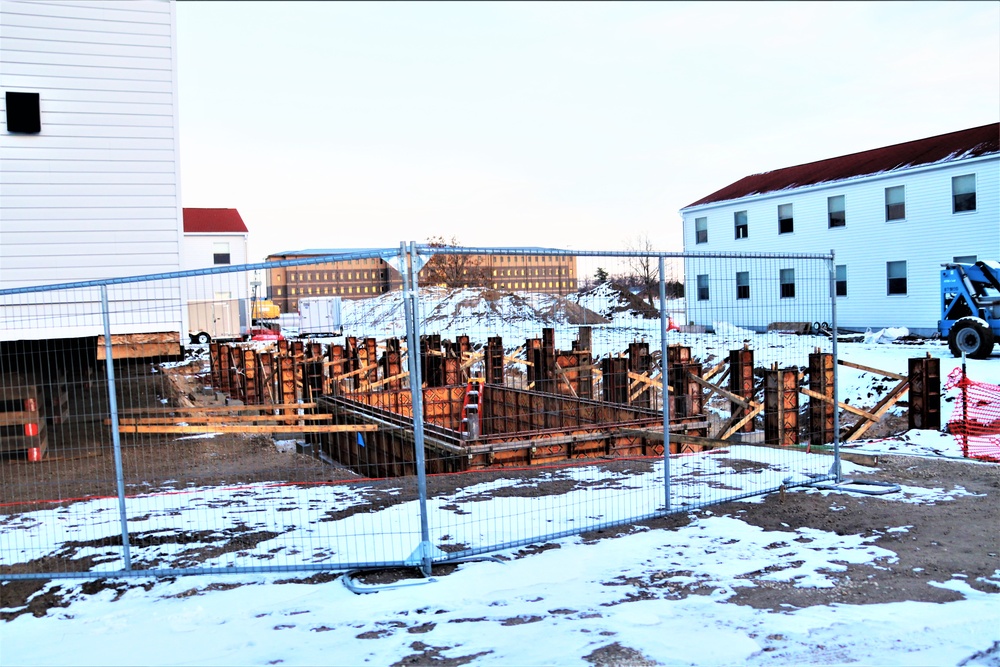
<point x="616" y="299"/>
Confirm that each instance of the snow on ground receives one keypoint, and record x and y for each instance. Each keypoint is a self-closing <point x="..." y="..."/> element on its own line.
<point x="548" y="606"/>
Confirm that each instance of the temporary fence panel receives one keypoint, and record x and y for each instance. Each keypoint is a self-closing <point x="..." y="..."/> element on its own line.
<point x="196" y="450"/>
<point x="544" y="373"/>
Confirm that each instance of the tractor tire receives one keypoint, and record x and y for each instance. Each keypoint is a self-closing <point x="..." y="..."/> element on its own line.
<point x="971" y="336"/>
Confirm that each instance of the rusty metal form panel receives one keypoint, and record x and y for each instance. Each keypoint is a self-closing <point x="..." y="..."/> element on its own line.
<point x="585" y="362"/>
<point x="351" y="357"/>
<point x="494" y="360"/>
<point x="313" y="388"/>
<point x="781" y="406"/>
<point x="464" y="347"/>
<point x="286" y="379"/>
<point x="741" y="383"/>
<point x="266" y="374"/>
<point x="298" y="349"/>
<point x="678" y="354"/>
<point x="338" y="364"/>
<point x="236" y="375"/>
<point x="614" y="383"/>
<point x="688" y="395"/>
<point x="547" y="361"/>
<point x="451" y="369"/>
<point x="532" y="354"/>
<point x="250" y="377"/>
<point x="430" y="360"/>
<point x="370" y="349"/>
<point x="391" y="364"/>
<point x="314" y="351"/>
<point x="640" y="363"/>
<point x="283" y="348"/>
<point x="821" y="381"/>
<point x="213" y="364"/>
<point x="925" y="393"/>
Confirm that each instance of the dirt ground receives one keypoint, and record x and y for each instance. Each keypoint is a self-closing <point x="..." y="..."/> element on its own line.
<point x="958" y="537"/>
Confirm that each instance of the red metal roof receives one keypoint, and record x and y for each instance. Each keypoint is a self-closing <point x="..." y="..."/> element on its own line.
<point x="213" y="221"/>
<point x="973" y="142"/>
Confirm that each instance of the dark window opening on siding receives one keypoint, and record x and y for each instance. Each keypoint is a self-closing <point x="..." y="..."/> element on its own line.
<point x="786" y="223"/>
<point x="23" y="112"/>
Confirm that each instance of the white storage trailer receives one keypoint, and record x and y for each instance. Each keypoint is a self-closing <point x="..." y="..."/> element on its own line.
<point x="320" y="316"/>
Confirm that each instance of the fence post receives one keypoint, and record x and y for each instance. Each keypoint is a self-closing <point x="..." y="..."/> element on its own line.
<point x="663" y="383"/>
<point x="413" y="358"/>
<point x="835" y="469"/>
<point x="109" y="366"/>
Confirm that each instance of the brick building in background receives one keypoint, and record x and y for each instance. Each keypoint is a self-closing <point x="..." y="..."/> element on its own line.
<point x="365" y="278"/>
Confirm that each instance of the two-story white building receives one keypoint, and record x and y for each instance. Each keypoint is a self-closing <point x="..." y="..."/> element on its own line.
<point x="89" y="166"/>
<point x="891" y="216"/>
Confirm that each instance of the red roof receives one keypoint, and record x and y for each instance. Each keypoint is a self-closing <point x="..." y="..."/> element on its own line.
<point x="213" y="221"/>
<point x="973" y="142"/>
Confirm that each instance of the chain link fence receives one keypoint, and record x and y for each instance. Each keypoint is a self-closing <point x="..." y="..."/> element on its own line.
<point x="402" y="406"/>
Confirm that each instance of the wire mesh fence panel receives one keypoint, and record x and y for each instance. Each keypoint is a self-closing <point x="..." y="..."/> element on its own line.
<point x="214" y="441"/>
<point x="544" y="383"/>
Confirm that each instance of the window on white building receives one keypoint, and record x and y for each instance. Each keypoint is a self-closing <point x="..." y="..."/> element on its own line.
<point x="702" y="282"/>
<point x="742" y="284"/>
<point x="895" y="203"/>
<point x="701" y="230"/>
<point x="841" y="280"/>
<point x="895" y="276"/>
<point x="742" y="226"/>
<point x="836" y="211"/>
<point x="787" y="280"/>
<point x="220" y="252"/>
<point x="786" y="223"/>
<point x="963" y="193"/>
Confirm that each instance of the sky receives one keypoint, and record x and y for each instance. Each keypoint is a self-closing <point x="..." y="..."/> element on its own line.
<point x="571" y="125"/>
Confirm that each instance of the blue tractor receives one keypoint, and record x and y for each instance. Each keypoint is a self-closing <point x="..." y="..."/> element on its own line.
<point x="970" y="308"/>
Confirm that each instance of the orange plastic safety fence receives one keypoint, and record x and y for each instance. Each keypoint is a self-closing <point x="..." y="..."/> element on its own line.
<point x="975" y="420"/>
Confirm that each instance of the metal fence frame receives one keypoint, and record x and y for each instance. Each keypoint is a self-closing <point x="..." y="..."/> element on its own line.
<point x="408" y="259"/>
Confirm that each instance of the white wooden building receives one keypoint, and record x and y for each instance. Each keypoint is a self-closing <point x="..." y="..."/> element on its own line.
<point x="89" y="167"/>
<point x="218" y="304"/>
<point x="891" y="216"/>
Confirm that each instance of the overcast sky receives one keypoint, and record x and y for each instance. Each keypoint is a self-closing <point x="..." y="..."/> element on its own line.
<point x="574" y="125"/>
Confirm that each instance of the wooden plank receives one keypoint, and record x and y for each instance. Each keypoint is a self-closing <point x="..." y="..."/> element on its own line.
<point x="714" y="370"/>
<point x="887" y="402"/>
<point x="850" y="408"/>
<point x="249" y="419"/>
<point x="757" y="409"/>
<point x="311" y="428"/>
<point x="861" y="367"/>
<point x="218" y="408"/>
<point x="739" y="400"/>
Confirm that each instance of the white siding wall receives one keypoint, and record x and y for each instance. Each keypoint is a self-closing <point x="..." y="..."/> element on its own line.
<point x="199" y="252"/>
<point x="930" y="235"/>
<point x="96" y="193"/>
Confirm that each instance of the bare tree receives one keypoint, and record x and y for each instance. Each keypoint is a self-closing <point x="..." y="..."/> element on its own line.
<point x="454" y="270"/>
<point x="644" y="270"/>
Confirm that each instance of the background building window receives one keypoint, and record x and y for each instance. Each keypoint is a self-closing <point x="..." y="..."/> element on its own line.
<point x="963" y="193"/>
<point x="841" y="280"/>
<point x="787" y="280"/>
<point x="701" y="230"/>
<point x="895" y="274"/>
<point x="786" y="223"/>
<point x="895" y="203"/>
<point x="742" y="284"/>
<point x="703" y="287"/>
<point x="836" y="211"/>
<point x="742" y="226"/>
<point x="220" y="253"/>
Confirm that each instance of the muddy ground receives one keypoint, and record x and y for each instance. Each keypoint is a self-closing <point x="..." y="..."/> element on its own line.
<point x="957" y="537"/>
